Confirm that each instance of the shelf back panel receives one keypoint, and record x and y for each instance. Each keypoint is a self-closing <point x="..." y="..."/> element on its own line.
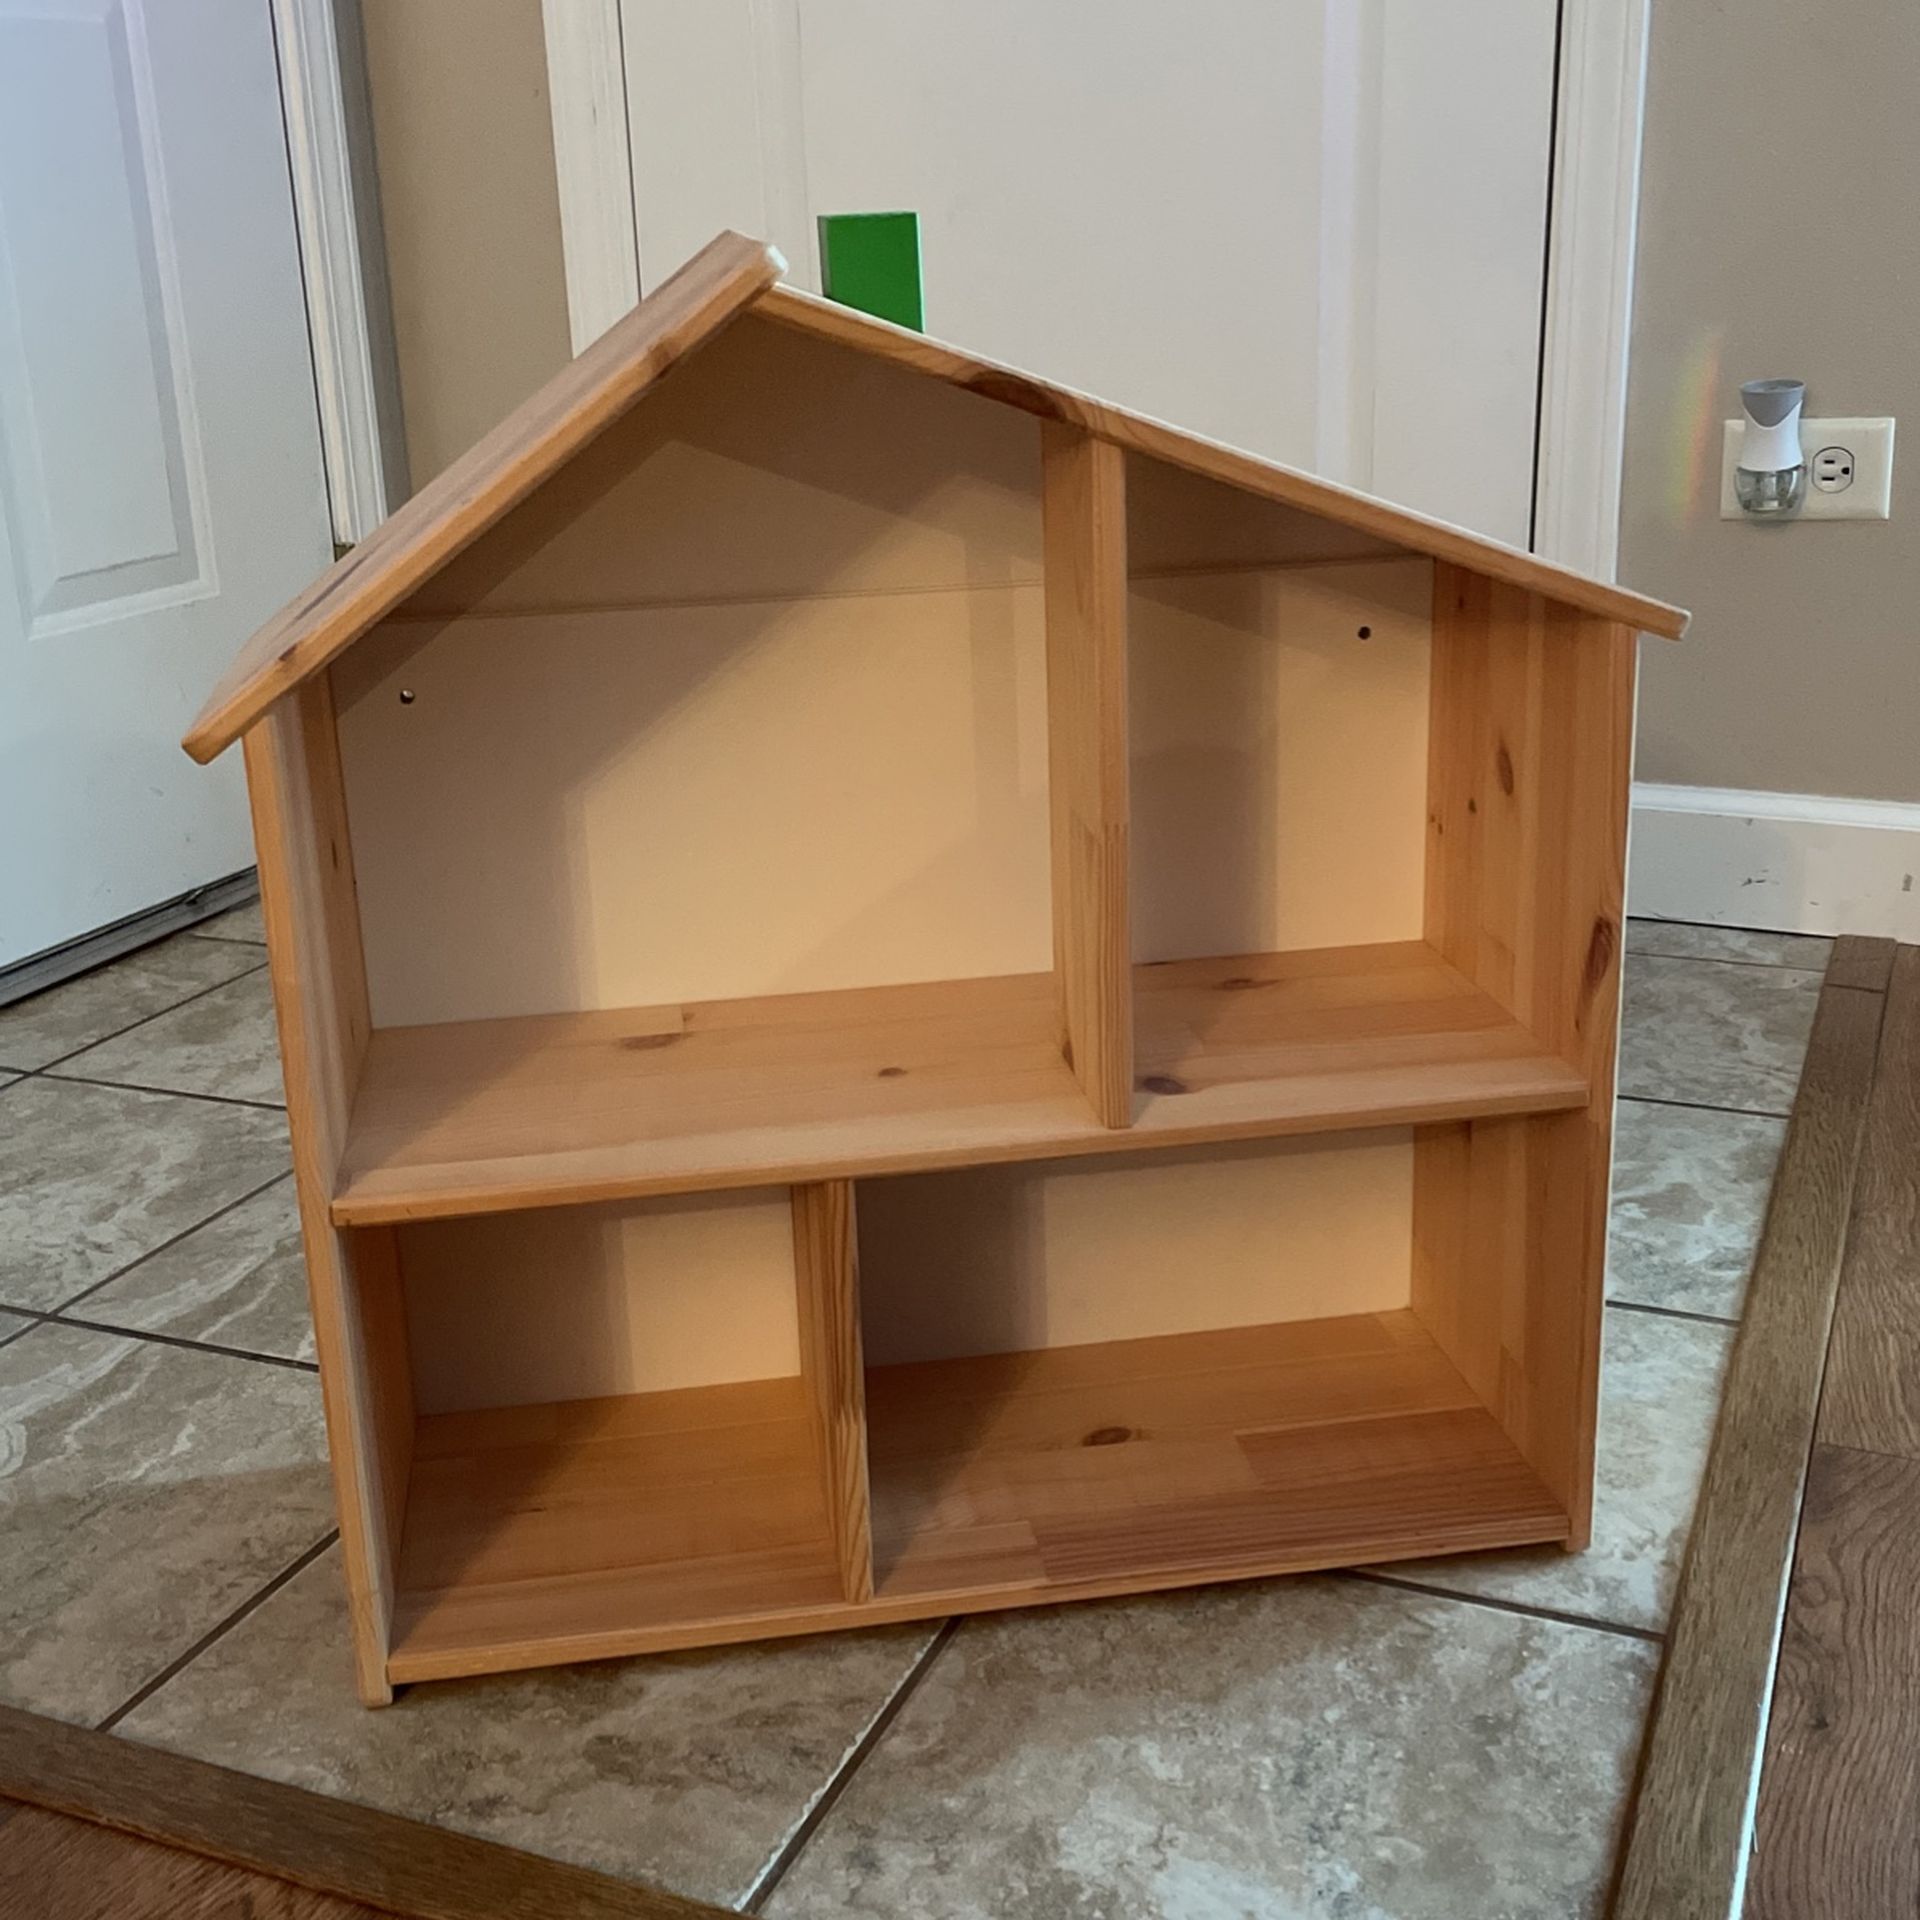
<point x="1064" y="1254"/>
<point x="577" y="1303"/>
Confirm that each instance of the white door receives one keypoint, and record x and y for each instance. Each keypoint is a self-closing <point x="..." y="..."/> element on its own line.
<point x="1313" y="228"/>
<point x="161" y="488"/>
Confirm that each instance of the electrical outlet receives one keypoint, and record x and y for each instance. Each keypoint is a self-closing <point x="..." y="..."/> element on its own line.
<point x="1849" y="470"/>
<point x="1831" y="469"/>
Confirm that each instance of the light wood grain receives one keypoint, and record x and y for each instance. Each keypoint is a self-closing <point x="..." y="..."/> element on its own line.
<point x="1838" y="1828"/>
<point x="482" y="1116"/>
<point x="1686" y="1848"/>
<point x="460" y="504"/>
<point x="1872" y="1393"/>
<point x="320" y="998"/>
<point x="1187" y="1456"/>
<point x="826" y="1273"/>
<point x="1528" y="770"/>
<point x="348" y="1852"/>
<point x="1085" y="510"/>
<point x="1411" y="531"/>
<point x="1116" y="1467"/>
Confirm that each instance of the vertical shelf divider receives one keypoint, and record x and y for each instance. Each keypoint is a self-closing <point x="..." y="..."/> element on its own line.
<point x="826" y="1263"/>
<point x="1084" y="510"/>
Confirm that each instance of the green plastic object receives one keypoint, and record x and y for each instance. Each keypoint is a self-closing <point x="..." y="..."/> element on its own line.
<point x="872" y="261"/>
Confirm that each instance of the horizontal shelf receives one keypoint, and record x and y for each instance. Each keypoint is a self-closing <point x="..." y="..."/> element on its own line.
<point x="546" y="1534"/>
<point x="1143" y="1463"/>
<point x="485" y="1116"/>
<point x="551" y="1533"/>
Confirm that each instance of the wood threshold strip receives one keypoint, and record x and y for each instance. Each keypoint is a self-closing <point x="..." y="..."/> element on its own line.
<point x="53" y="1867"/>
<point x="354" y="1853"/>
<point x="1837" y="1832"/>
<point x="1685" y="1854"/>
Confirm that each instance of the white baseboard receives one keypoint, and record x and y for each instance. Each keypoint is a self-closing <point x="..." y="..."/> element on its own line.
<point x="1791" y="862"/>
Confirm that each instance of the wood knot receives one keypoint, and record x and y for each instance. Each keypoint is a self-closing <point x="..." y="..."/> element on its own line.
<point x="890" y="1073"/>
<point x="1107" y="1437"/>
<point x="1161" y="1083"/>
<point x="649" y="1042"/>
<point x="1013" y="390"/>
<point x="1473" y="805"/>
<point x="1242" y="983"/>
<point x="1503" y="765"/>
<point x="1602" y="944"/>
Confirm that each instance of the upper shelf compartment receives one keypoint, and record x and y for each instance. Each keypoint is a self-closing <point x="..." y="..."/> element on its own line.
<point x="482" y="1116"/>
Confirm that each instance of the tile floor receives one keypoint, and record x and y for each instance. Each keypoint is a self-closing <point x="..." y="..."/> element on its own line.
<point x="1431" y="1739"/>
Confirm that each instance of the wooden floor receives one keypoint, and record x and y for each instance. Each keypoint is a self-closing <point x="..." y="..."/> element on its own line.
<point x="95" y="1827"/>
<point x="1781" y="1779"/>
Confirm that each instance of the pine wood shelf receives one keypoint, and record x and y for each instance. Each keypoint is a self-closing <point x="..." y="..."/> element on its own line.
<point x="489" y="1115"/>
<point x="848" y="657"/>
<point x="557" y="1533"/>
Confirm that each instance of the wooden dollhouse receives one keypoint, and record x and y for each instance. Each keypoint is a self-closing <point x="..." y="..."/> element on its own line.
<point x="906" y="992"/>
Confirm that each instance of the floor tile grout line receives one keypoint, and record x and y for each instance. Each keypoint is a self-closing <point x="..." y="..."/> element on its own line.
<point x="1725" y="960"/>
<point x="187" y="1000"/>
<point x="198" y="931"/>
<point x="153" y="1253"/>
<point x="1560" y="1618"/>
<point x="816" y="1815"/>
<point x="34" y="1318"/>
<point x="145" y="1692"/>
<point x="1701" y="1106"/>
<point x="1676" y="1313"/>
<point x="164" y="1093"/>
<point x="182" y="1340"/>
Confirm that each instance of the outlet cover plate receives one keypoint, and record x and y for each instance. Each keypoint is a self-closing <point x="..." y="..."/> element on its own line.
<point x="1870" y="497"/>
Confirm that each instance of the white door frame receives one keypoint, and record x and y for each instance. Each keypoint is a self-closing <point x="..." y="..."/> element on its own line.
<point x="343" y="261"/>
<point x="1589" y="294"/>
<point x="593" y="162"/>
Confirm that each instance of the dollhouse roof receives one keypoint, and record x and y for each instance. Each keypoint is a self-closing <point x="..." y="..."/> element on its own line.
<point x="727" y="277"/>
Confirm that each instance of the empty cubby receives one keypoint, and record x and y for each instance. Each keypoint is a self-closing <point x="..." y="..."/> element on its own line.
<point x="903" y="992"/>
<point x="1094" y="1374"/>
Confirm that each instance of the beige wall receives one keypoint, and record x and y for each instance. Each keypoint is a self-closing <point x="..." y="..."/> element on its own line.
<point x="1802" y="672"/>
<point x="465" y="155"/>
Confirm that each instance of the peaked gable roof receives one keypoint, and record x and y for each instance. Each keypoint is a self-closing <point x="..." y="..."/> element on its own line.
<point x="725" y="278"/>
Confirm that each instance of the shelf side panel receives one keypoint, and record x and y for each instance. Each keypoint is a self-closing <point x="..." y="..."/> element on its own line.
<point x="1530" y="769"/>
<point x="320" y="998"/>
<point x="826" y="1279"/>
<point x="1083" y="489"/>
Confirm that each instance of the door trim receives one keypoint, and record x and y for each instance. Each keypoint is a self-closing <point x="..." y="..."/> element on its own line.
<point x="343" y="260"/>
<point x="1589" y="305"/>
<point x="587" y="94"/>
<point x="1591" y="225"/>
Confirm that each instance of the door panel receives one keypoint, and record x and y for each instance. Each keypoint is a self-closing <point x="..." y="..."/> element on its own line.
<point x="161" y="490"/>
<point x="1314" y="228"/>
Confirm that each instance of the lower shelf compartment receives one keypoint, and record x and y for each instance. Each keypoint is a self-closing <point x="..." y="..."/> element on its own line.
<point x="546" y="1534"/>
<point x="1143" y="1463"/>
